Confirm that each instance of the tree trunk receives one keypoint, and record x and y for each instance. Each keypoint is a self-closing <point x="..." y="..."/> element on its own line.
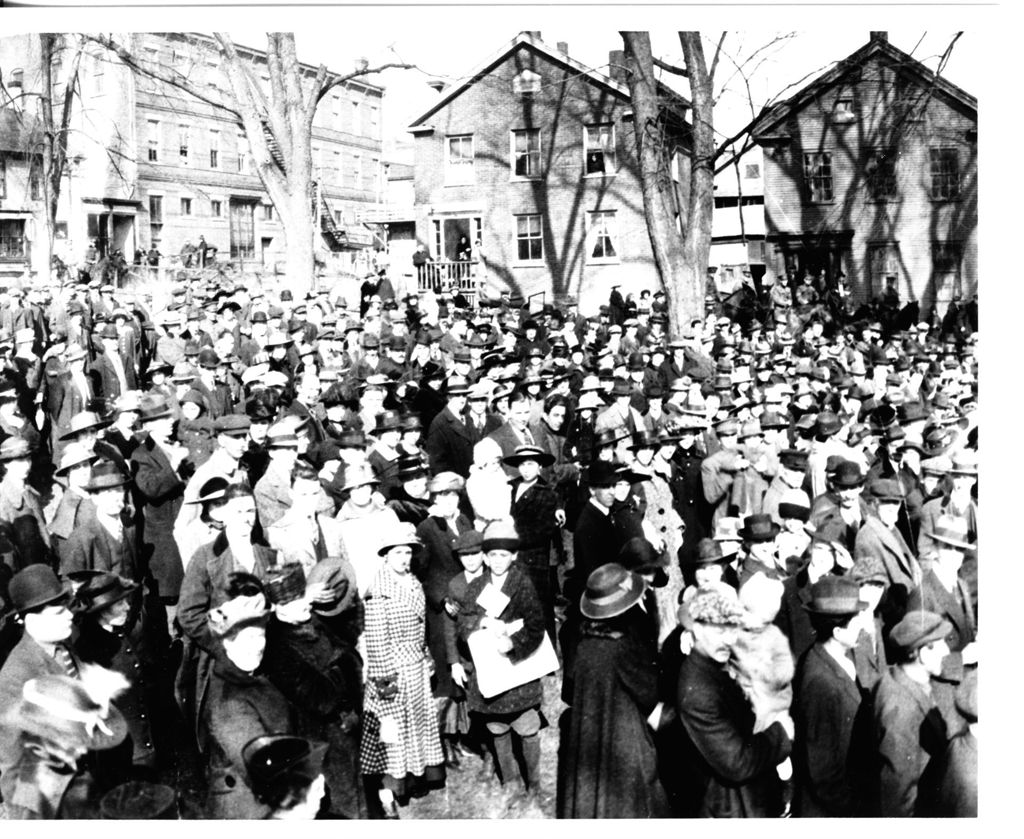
<point x="681" y="279"/>
<point x="297" y="220"/>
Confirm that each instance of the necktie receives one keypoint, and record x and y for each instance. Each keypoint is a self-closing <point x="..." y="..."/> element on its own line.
<point x="64" y="659"/>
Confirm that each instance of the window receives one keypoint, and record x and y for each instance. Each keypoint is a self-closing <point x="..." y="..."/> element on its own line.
<point x="529" y="237"/>
<point x="337" y="217"/>
<point x="883" y="263"/>
<point x="752" y="171"/>
<point x="214" y="149"/>
<point x="336" y="110"/>
<point x="148" y="82"/>
<point x="459" y="160"/>
<point x="186" y="206"/>
<point x="880" y="169"/>
<point x="844" y="111"/>
<point x="338" y="171"/>
<point x="526" y="153"/>
<point x="153" y="151"/>
<point x="946" y="260"/>
<point x="317" y="160"/>
<point x="602" y="236"/>
<point x="945" y="164"/>
<point x="357" y="171"/>
<point x="374" y="121"/>
<point x="526" y="84"/>
<point x="35" y="181"/>
<point x="268" y="212"/>
<point x="242" y="145"/>
<point x="156" y="209"/>
<point x="818" y="175"/>
<point x="357" y="122"/>
<point x="12" y="239"/>
<point x="183" y="145"/>
<point x="3" y="178"/>
<point x="17" y="78"/>
<point x="599" y="149"/>
<point x="216" y="209"/>
<point x="374" y="174"/>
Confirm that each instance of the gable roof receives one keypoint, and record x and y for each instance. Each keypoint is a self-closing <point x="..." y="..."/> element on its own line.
<point x="526" y="40"/>
<point x="875" y="48"/>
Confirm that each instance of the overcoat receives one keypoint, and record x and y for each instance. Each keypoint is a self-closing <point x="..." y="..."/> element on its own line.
<point x="449" y="444"/>
<point x="162" y="490"/>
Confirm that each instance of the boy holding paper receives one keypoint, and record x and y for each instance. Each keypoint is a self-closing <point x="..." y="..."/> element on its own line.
<point x="506" y="621"/>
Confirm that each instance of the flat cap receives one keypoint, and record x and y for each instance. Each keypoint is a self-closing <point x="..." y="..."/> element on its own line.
<point x="918" y="629"/>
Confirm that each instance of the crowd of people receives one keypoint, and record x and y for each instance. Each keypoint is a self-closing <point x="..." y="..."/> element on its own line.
<point x="328" y="552"/>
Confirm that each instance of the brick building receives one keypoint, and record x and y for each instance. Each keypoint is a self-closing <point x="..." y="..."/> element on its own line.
<point x="532" y="162"/>
<point x="871" y="170"/>
<point x="150" y="164"/>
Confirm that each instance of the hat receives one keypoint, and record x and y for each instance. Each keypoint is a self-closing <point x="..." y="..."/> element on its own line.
<point x="282" y="435"/>
<point x="886" y="490"/>
<point x="717" y="606"/>
<point x="794" y="504"/>
<point x="868" y="568"/>
<point x="232" y="425"/>
<point x="602" y="474"/>
<point x="939" y="465"/>
<point x="772" y="419"/>
<point x="751" y="428"/>
<point x="153" y="407"/>
<point x="848" y="475"/>
<point x="232" y="616"/>
<point x="212" y="490"/>
<point x="469" y="542"/>
<point x="918" y="629"/>
<point x="410" y="467"/>
<point x="952" y="531"/>
<point x="85" y="421"/>
<point x="610" y="436"/>
<point x="639" y="555"/>
<point x="795" y="459"/>
<point x="827" y="424"/>
<point x="758" y="528"/>
<point x="274" y="762"/>
<point x="208" y="358"/>
<point x="457" y="386"/>
<point x="388" y="421"/>
<point x="15" y="448"/>
<point x="446" y="482"/>
<point x="727" y="427"/>
<point x="403" y="534"/>
<point x="709" y="552"/>
<point x="105" y="475"/>
<point x="610" y="591"/>
<point x="500" y="535"/>
<point x="359" y="474"/>
<point x="835" y="596"/>
<point x="34" y="586"/>
<point x="285" y="583"/>
<point x="100" y="591"/>
<point x="965" y="462"/>
<point x="727" y="529"/>
<point x="338" y="579"/>
<point x="75" y="454"/>
<point x="136" y="800"/>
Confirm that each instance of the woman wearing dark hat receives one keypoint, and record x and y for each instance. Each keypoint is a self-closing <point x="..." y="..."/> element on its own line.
<point x="242" y="703"/>
<point x="287" y="775"/>
<point x="607" y="758"/>
<point x="204" y="528"/>
<point x="21" y="513"/>
<point x="318" y="672"/>
<point x="401" y="745"/>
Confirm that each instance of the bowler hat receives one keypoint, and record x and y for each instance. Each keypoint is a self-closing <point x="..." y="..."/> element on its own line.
<point x="275" y="762"/>
<point x="709" y="552"/>
<point x="759" y="528"/>
<point x="101" y="591"/>
<point x="208" y="358"/>
<point x="610" y="591"/>
<point x="848" y="475"/>
<point x="827" y="424"/>
<point x="34" y="586"/>
<point x="835" y="596"/>
<point x="918" y="629"/>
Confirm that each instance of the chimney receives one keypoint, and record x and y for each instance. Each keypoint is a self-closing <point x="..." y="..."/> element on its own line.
<point x="563" y="47"/>
<point x="880" y="36"/>
<point x="617" y="65"/>
<point x="531" y="33"/>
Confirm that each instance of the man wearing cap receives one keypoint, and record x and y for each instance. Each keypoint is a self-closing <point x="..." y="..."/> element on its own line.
<point x="910" y="733"/>
<point x="737" y="766"/>
<point x="832" y="756"/>
<point x="957" y="500"/>
<point x="719" y="471"/>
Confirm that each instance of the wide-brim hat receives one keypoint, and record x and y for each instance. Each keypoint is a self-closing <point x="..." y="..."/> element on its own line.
<point x="610" y="436"/>
<point x="709" y="552"/>
<point x="75" y="454"/>
<point x="404" y="534"/>
<point x="105" y="475"/>
<point x="153" y="407"/>
<point x="952" y="531"/>
<point x="85" y="421"/>
<point x="101" y="591"/>
<point x="15" y="448"/>
<point x="611" y="590"/>
<point x="965" y="463"/>
<point x="529" y="453"/>
<point x="835" y="596"/>
<point x="338" y="579"/>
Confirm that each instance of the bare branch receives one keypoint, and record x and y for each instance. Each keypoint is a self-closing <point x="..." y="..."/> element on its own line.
<point x="341" y="81"/>
<point x="671" y="68"/>
<point x="714" y="60"/>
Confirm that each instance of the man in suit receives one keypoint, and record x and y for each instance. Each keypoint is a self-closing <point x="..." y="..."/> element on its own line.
<point x="110" y="378"/>
<point x="738" y="767"/>
<point x="880" y="537"/>
<point x="105" y="541"/>
<point x="449" y="441"/>
<point x="829" y="759"/>
<point x="71" y="393"/>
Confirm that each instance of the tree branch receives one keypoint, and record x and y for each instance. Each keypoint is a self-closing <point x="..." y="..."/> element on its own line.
<point x="714" y="60"/>
<point x="340" y="81"/>
<point x="671" y="68"/>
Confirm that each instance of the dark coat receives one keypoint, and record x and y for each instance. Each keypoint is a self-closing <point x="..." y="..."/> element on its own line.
<point x="105" y="384"/>
<point x="534" y="516"/>
<point x="92" y="547"/>
<point x="955" y="606"/>
<point x="523" y="604"/>
<point x="608" y="765"/>
<point x="450" y="444"/>
<point x="909" y="732"/>
<point x="321" y="677"/>
<point x="162" y="489"/>
<point x="238" y="708"/>
<point x="738" y="766"/>
<point x="958" y="784"/>
<point x="792" y="618"/>
<point x="829" y="759"/>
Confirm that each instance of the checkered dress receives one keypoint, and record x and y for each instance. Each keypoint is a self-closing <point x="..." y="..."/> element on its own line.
<point x="396" y="646"/>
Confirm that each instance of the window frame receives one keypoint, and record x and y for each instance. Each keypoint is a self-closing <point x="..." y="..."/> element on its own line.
<point x="612" y="236"/>
<point x="811" y="177"/>
<point x="216" y="208"/>
<point x="462" y="173"/>
<point x="530" y="238"/>
<point x="946" y="175"/>
<point x="214" y="149"/>
<point x="185" y="205"/>
<point x="606" y="171"/>
<point x="874" y="154"/>
<point x="183" y="148"/>
<point x="153" y="141"/>
<point x="877" y="280"/>
<point x="514" y="154"/>
<point x="20" y="239"/>
<point x="3" y="176"/>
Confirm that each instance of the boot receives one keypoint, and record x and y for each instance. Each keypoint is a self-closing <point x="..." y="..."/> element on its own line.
<point x="452" y="752"/>
<point x="504" y="758"/>
<point x="531" y="757"/>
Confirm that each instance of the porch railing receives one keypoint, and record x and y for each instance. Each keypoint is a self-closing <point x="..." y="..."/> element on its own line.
<point x="446" y="274"/>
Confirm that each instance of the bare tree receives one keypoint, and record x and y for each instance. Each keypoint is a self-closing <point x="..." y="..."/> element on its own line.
<point x="278" y="125"/>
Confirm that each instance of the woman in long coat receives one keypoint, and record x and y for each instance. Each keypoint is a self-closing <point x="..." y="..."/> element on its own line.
<point x="401" y="742"/>
<point x="608" y="766"/>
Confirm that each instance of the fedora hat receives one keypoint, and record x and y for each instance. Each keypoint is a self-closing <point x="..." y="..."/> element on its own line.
<point x="965" y="462"/>
<point x="835" y="596"/>
<point x="610" y="591"/>
<point x="34" y="586"/>
<point x="338" y="579"/>
<point x="952" y="531"/>
<point x="153" y="407"/>
<point x="404" y="534"/>
<point x="602" y="474"/>
<point x="85" y="421"/>
<point x="759" y="528"/>
<point x="529" y="453"/>
<point x="620" y="388"/>
<point x="457" y="386"/>
<point x="101" y="591"/>
<point x="274" y="762"/>
<point x="709" y="552"/>
<point x="886" y="490"/>
<point x="105" y="475"/>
